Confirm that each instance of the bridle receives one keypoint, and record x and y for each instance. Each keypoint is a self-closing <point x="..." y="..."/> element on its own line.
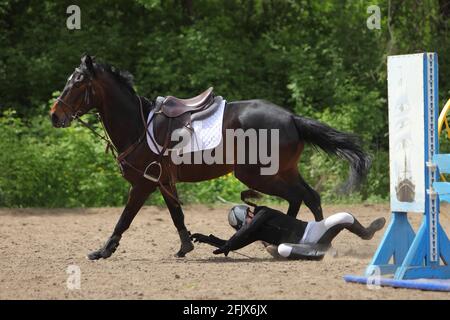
<point x="78" y="112"/>
<point x="120" y="157"/>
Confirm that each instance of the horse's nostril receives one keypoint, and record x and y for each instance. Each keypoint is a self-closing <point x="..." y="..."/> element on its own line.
<point x="54" y="119"/>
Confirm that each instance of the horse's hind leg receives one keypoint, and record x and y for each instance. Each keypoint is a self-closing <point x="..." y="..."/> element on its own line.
<point x="288" y="185"/>
<point x="312" y="199"/>
<point x="271" y="185"/>
<point x="297" y="191"/>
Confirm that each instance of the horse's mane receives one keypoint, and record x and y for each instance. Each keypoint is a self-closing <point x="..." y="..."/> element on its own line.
<point x="124" y="77"/>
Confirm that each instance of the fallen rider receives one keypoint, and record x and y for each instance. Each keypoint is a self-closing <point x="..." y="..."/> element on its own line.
<point x="285" y="236"/>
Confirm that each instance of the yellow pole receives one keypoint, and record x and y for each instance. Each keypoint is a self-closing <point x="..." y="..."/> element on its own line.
<point x="441" y="121"/>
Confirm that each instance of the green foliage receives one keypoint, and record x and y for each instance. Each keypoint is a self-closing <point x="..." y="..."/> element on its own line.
<point x="44" y="167"/>
<point x="316" y="58"/>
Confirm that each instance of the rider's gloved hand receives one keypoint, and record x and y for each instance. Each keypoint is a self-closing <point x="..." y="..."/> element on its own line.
<point x="223" y="250"/>
<point x="200" y="238"/>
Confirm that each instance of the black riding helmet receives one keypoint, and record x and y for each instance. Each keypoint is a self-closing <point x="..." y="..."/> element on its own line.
<point x="236" y="216"/>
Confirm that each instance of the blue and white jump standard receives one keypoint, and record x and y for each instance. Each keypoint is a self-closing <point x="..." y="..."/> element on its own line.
<point x="404" y="258"/>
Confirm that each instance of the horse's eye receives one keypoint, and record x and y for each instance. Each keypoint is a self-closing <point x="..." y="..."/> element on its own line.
<point x="79" y="77"/>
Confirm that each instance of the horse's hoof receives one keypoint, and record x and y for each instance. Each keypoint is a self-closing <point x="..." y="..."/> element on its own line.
<point x="100" y="254"/>
<point x="108" y="249"/>
<point x="180" y="254"/>
<point x="185" y="248"/>
<point x="96" y="255"/>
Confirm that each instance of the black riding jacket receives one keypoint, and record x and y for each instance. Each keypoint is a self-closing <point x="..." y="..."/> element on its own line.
<point x="269" y="225"/>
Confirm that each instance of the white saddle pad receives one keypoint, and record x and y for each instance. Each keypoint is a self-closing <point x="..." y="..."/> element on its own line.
<point x="206" y="133"/>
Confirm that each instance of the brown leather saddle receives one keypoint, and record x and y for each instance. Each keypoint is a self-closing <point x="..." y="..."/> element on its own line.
<point x="174" y="107"/>
<point x="174" y="114"/>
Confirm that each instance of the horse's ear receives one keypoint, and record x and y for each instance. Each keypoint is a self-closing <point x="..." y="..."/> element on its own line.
<point x="88" y="62"/>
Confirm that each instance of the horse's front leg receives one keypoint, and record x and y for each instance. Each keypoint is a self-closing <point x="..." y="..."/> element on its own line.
<point x="176" y="212"/>
<point x="136" y="198"/>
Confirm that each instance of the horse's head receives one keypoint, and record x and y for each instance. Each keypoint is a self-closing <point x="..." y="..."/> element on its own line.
<point x="78" y="95"/>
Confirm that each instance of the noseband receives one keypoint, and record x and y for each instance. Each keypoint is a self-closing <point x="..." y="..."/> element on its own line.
<point x="87" y="99"/>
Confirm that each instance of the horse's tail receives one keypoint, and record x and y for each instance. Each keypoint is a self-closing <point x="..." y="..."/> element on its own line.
<point x="344" y="145"/>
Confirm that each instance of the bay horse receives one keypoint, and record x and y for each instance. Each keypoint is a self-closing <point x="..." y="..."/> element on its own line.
<point x="123" y="114"/>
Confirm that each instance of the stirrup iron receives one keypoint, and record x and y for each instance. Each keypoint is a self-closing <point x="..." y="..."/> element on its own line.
<point x="149" y="176"/>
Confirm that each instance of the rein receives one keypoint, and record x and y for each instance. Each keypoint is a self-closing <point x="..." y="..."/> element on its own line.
<point x="121" y="157"/>
<point x="109" y="145"/>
